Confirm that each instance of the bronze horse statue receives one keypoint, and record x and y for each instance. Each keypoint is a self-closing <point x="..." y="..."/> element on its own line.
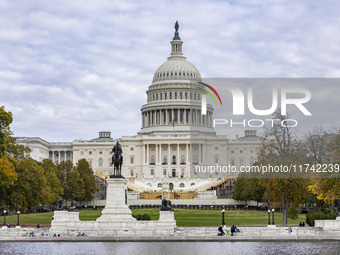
<point x="117" y="160"/>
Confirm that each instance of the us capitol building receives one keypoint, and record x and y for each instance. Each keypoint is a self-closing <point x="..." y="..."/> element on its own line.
<point x="173" y="141"/>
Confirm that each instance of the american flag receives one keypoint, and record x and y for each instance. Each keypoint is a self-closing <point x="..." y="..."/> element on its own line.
<point x="173" y="122"/>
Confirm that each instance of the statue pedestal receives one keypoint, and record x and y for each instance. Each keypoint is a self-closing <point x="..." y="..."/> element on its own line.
<point x="116" y="210"/>
<point x="166" y="224"/>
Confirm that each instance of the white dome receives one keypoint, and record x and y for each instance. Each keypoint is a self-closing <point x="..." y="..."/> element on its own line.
<point x="176" y="68"/>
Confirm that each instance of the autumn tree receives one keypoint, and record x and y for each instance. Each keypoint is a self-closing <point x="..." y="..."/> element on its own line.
<point x="248" y="188"/>
<point x="327" y="188"/>
<point x="30" y="189"/>
<point x="280" y="148"/>
<point x="8" y="176"/>
<point x="5" y="120"/>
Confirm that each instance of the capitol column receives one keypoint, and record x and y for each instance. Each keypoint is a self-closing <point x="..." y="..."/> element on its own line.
<point x="160" y="117"/>
<point x="166" y="116"/>
<point x="143" y="154"/>
<point x="187" y="157"/>
<point x="147" y="154"/>
<point x="178" y="154"/>
<point x="199" y="153"/>
<point x="156" y="159"/>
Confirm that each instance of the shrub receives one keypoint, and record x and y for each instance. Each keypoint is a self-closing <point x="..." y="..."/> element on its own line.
<point x="292" y="212"/>
<point x="142" y="216"/>
<point x="311" y="217"/>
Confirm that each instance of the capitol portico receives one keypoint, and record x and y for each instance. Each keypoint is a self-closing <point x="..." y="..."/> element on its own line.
<point x="174" y="137"/>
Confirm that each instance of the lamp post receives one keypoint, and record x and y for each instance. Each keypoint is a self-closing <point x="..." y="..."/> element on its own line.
<point x="5" y="218"/>
<point x="268" y="217"/>
<point x="273" y="210"/>
<point x="18" y="224"/>
<point x="223" y="223"/>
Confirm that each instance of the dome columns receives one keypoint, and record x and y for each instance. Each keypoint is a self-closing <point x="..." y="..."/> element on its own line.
<point x="180" y="116"/>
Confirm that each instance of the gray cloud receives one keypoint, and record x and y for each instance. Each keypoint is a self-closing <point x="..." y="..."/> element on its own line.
<point x="69" y="69"/>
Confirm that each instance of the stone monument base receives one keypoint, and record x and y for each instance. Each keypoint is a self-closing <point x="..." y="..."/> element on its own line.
<point x="116" y="210"/>
<point x="116" y="219"/>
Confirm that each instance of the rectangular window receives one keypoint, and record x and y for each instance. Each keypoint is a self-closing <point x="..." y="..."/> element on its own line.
<point x="90" y="152"/>
<point x="152" y="172"/>
<point x="173" y="148"/>
<point x="132" y="160"/>
<point x="165" y="148"/>
<point x="183" y="148"/>
<point x="81" y="153"/>
<point x="164" y="171"/>
<point x="131" y="149"/>
<point x="131" y="172"/>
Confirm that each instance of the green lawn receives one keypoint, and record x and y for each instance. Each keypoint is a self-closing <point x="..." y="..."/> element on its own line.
<point x="184" y="217"/>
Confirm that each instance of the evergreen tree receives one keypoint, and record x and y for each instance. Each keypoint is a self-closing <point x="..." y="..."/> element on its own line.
<point x="53" y="184"/>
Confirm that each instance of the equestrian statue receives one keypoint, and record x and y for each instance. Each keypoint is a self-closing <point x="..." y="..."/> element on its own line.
<point x="117" y="161"/>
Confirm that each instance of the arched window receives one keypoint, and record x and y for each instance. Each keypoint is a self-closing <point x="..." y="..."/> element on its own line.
<point x="192" y="184"/>
<point x="181" y="185"/>
<point x="171" y="186"/>
<point x="149" y="184"/>
<point x="159" y="185"/>
<point x="100" y="162"/>
<point x="174" y="160"/>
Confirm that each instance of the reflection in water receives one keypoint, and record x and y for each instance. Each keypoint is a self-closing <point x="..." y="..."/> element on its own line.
<point x="177" y="248"/>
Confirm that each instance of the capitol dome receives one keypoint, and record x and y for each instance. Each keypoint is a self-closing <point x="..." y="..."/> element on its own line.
<point x="176" y="68"/>
<point x="174" y="97"/>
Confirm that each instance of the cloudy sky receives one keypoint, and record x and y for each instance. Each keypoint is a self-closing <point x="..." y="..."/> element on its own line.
<point x="71" y="68"/>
